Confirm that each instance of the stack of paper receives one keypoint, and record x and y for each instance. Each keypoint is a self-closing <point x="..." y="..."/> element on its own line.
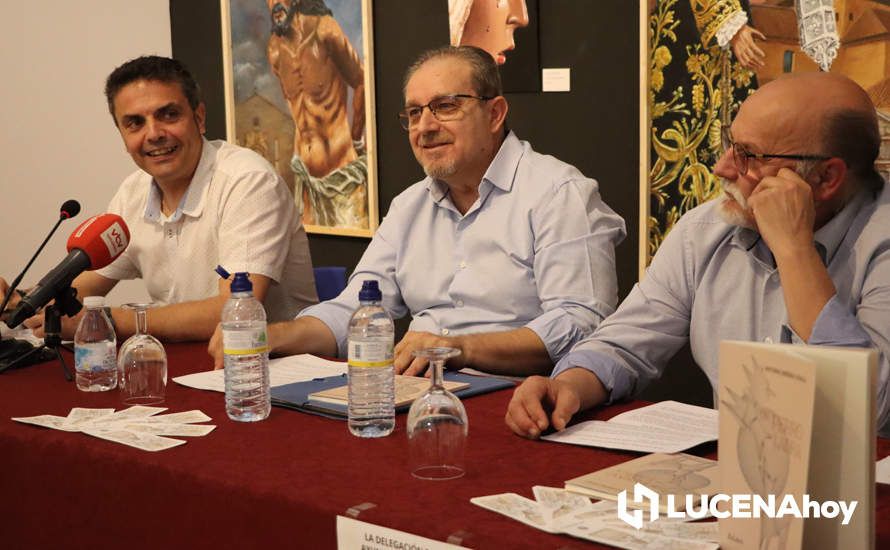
<point x="559" y="511"/>
<point x="282" y="371"/>
<point x="665" y="427"/>
<point x="137" y="426"/>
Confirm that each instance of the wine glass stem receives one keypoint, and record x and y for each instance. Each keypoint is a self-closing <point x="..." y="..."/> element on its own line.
<point x="438" y="366"/>
<point x="141" y="322"/>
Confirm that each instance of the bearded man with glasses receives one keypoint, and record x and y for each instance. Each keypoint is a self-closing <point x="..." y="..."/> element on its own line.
<point x="501" y="252"/>
<point x="797" y="250"/>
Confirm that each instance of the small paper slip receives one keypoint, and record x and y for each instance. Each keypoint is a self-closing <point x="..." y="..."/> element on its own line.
<point x="665" y="427"/>
<point x="882" y="471"/>
<point x="80" y="417"/>
<point x="282" y="371"/>
<point x="143" y="441"/>
<point x="408" y="388"/>
<point x="558" y="511"/>
<point x="516" y="507"/>
<point x="137" y="426"/>
<point x="45" y="421"/>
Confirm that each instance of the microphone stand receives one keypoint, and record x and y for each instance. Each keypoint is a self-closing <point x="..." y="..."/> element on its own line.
<point x="12" y="346"/>
<point x="14" y="285"/>
<point x="66" y="303"/>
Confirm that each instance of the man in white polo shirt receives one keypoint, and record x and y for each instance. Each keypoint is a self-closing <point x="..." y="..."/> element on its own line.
<point x="192" y="205"/>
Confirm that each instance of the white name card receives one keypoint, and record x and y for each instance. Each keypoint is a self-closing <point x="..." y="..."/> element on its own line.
<point x="353" y="534"/>
<point x="556" y="80"/>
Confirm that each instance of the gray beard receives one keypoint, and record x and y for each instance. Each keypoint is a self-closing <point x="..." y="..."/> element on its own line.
<point x="733" y="212"/>
<point x="440" y="172"/>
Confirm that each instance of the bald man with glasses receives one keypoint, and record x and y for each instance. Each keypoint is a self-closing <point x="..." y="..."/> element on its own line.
<point x="797" y="250"/>
<point x="501" y="252"/>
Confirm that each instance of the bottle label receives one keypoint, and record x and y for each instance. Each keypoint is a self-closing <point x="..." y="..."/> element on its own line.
<point x="245" y="342"/>
<point x="97" y="357"/>
<point x="370" y="354"/>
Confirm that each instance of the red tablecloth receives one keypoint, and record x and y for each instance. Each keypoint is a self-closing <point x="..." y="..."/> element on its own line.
<point x="282" y="481"/>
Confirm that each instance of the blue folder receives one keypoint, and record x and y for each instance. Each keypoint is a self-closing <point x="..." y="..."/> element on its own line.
<point x="296" y="396"/>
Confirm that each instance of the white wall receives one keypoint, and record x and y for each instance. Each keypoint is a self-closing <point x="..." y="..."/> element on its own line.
<point x="57" y="140"/>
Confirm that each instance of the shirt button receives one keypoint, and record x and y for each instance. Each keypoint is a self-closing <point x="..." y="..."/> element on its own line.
<point x="460" y="303"/>
<point x="463" y="264"/>
<point x="445" y="332"/>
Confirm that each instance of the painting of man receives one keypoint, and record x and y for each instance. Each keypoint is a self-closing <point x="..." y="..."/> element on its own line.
<point x="303" y="60"/>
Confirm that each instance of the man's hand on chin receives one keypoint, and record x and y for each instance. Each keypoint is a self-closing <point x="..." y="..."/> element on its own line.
<point x="784" y="210"/>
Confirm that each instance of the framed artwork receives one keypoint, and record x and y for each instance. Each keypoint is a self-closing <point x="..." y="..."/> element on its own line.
<point x="508" y="30"/>
<point x="843" y="36"/>
<point x="695" y="83"/>
<point x="695" y="86"/>
<point x="299" y="78"/>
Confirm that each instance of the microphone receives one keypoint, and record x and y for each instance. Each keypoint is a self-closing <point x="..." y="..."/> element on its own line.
<point x="94" y="244"/>
<point x="69" y="209"/>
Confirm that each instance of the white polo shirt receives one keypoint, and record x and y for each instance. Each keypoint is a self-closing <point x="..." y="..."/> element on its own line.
<point x="237" y="212"/>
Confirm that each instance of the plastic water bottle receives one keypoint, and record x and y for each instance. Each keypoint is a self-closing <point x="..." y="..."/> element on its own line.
<point x="371" y="386"/>
<point x="246" y="354"/>
<point x="95" y="348"/>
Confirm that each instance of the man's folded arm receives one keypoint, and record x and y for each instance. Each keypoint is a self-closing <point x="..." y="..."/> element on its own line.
<point x="865" y="326"/>
<point x="518" y="352"/>
<point x="186" y="321"/>
<point x="302" y="335"/>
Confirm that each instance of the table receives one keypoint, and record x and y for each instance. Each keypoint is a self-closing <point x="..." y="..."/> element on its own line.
<point x="276" y="483"/>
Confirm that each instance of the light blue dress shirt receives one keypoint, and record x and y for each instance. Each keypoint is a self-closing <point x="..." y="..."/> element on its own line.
<point x="711" y="281"/>
<point x="536" y="250"/>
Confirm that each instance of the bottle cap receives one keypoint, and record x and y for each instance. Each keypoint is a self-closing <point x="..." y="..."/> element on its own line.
<point x="370" y="292"/>
<point x="94" y="301"/>
<point x="241" y="283"/>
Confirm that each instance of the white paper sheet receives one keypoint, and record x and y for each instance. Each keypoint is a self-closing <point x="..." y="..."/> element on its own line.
<point x="665" y="427"/>
<point x="284" y="370"/>
<point x="882" y="471"/>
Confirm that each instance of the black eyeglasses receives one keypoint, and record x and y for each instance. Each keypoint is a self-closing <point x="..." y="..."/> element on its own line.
<point x="445" y="108"/>
<point x="740" y="155"/>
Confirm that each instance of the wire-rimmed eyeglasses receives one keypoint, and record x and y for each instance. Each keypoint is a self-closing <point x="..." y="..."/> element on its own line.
<point x="445" y="108"/>
<point x="740" y="154"/>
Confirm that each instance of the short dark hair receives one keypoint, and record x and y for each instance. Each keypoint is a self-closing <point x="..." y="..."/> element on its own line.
<point x="853" y="136"/>
<point x="152" y="67"/>
<point x="484" y="74"/>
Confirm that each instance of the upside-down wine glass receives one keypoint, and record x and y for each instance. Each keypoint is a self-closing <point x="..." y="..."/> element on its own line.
<point x="142" y="364"/>
<point x="437" y="424"/>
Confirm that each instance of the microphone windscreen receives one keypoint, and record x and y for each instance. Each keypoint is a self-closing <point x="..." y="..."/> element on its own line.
<point x="69" y="209"/>
<point x="103" y="238"/>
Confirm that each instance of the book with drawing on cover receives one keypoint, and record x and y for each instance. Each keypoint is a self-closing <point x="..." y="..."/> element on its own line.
<point x="795" y="420"/>
<point x="677" y="474"/>
<point x="408" y="388"/>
